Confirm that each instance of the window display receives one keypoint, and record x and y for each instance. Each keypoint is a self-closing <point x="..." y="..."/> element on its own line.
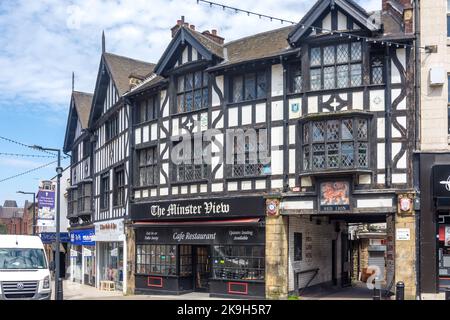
<point x="111" y="267"/>
<point x="238" y="262"/>
<point x="156" y="259"/>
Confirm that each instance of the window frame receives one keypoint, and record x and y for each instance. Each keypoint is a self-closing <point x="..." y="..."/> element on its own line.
<point x="257" y="72"/>
<point x="295" y="70"/>
<point x="204" y="167"/>
<point x="104" y="191"/>
<point x="298" y="246"/>
<point x="119" y="186"/>
<point x="83" y="198"/>
<point x="204" y="87"/>
<point x="151" y="109"/>
<point x="112" y="127"/>
<point x="356" y="141"/>
<point x="146" y="166"/>
<point x="152" y="259"/>
<point x="322" y="66"/>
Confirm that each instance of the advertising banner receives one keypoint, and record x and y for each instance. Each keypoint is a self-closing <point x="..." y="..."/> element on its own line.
<point x="83" y="237"/>
<point x="46" y="208"/>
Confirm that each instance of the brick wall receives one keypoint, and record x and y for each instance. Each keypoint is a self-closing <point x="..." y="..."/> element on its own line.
<point x="316" y="250"/>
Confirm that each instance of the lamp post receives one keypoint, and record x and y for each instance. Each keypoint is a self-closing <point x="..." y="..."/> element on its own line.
<point x="34" y="209"/>
<point x="59" y="170"/>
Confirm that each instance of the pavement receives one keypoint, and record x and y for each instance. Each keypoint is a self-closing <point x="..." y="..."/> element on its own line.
<point x="358" y="291"/>
<point x="77" y="291"/>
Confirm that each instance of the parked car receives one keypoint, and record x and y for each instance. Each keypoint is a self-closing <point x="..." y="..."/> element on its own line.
<point x="24" y="268"/>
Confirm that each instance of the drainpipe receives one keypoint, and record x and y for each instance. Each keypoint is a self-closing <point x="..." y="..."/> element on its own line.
<point x="417" y="131"/>
<point x="417" y="72"/>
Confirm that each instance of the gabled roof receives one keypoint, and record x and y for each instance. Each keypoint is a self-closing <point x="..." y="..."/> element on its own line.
<point x="122" y="67"/>
<point x="80" y="108"/>
<point x="349" y="7"/>
<point x="119" y="68"/>
<point x="262" y="45"/>
<point x="10" y="203"/>
<point x="205" y="46"/>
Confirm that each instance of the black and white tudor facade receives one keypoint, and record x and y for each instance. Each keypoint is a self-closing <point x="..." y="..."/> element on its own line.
<point x="338" y="113"/>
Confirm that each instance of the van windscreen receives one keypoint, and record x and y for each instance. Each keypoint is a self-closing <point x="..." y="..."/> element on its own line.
<point x="22" y="258"/>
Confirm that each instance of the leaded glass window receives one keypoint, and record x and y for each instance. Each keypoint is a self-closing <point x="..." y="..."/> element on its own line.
<point x="147" y="167"/>
<point x="296" y="79"/>
<point x="246" y="160"/>
<point x="192" y="92"/>
<point x="336" y="66"/>
<point x="249" y="86"/>
<point x="376" y="72"/>
<point x="193" y="167"/>
<point x="335" y="144"/>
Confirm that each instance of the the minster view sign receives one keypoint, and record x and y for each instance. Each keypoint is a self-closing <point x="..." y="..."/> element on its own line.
<point x="195" y="209"/>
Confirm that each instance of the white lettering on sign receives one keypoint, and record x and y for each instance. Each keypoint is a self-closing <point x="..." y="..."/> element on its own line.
<point x="208" y="208"/>
<point x="193" y="236"/>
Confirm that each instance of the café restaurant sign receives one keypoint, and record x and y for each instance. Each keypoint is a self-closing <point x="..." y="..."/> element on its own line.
<point x="197" y="209"/>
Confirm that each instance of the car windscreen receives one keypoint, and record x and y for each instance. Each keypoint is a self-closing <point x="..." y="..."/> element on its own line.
<point x="22" y="258"/>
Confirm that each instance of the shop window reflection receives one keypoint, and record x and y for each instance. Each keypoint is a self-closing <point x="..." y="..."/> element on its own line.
<point x="238" y="262"/>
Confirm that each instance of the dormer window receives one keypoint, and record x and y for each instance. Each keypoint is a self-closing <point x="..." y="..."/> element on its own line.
<point x="336" y="66"/>
<point x="192" y="92"/>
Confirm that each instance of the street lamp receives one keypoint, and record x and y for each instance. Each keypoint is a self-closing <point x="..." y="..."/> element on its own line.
<point x="34" y="209"/>
<point x="59" y="170"/>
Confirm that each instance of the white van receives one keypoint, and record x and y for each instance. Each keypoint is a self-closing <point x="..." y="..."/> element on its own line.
<point x="24" y="268"/>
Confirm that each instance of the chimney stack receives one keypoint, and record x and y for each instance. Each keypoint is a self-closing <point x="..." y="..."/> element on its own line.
<point x="214" y="36"/>
<point x="392" y="7"/>
<point x="175" y="28"/>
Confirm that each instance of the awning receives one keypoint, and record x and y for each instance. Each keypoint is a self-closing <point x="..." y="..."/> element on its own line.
<point x="199" y="223"/>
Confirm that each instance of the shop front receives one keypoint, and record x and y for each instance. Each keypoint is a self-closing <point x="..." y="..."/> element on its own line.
<point x="215" y="246"/>
<point x="49" y="241"/>
<point x="82" y="256"/>
<point x="110" y="239"/>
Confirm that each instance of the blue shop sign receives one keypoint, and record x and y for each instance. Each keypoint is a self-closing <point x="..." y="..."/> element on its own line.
<point x="50" y="237"/>
<point x="82" y="237"/>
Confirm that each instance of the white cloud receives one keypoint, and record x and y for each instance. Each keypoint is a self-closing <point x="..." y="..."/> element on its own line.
<point x="43" y="41"/>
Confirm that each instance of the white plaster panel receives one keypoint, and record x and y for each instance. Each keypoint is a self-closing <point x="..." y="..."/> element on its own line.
<point x="381" y="151"/>
<point x="277" y="136"/>
<point x="401" y="164"/>
<point x="184" y="56"/>
<point x="292" y="134"/>
<point x="214" y="115"/>
<point x="137" y="194"/>
<point x="396" y="147"/>
<point x="260" y="184"/>
<point x="232" y="186"/>
<point x="342" y="21"/>
<point x="165" y="168"/>
<point x="277" y="80"/>
<point x="297" y="205"/>
<point x="376" y="100"/>
<point x="216" y="187"/>
<point x="277" y="183"/>
<point x="184" y="189"/>
<point x="175" y="128"/>
<point x="166" y="108"/>
<point x="144" y="193"/>
<point x="295" y="108"/>
<point x="174" y="190"/>
<point x="381" y="178"/>
<point x="194" y="188"/>
<point x="292" y="161"/>
<point x="246" y="185"/>
<point x="219" y="139"/>
<point x="162" y="191"/>
<point x="365" y="179"/>
<point x="153" y="131"/>
<point x="358" y="100"/>
<point x="164" y="155"/>
<point x="277" y="110"/>
<point x="233" y="117"/>
<point x="137" y="136"/>
<point x="326" y="22"/>
<point x="277" y="162"/>
<point x="399" y="178"/>
<point x="374" y="203"/>
<point x="305" y="182"/>
<point x="145" y="134"/>
<point x="215" y="96"/>
<point x="203" y="188"/>
<point x="260" y="111"/>
<point x="313" y="104"/>
<point x="292" y="182"/>
<point x="214" y="163"/>
<point x="381" y="127"/>
<point x="246" y="115"/>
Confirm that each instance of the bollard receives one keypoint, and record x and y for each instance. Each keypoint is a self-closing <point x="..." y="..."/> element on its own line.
<point x="400" y="291"/>
<point x="376" y="290"/>
<point x="447" y="293"/>
<point x="59" y="294"/>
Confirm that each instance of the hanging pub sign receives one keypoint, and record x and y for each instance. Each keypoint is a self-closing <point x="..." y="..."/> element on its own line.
<point x="199" y="208"/>
<point x="334" y="196"/>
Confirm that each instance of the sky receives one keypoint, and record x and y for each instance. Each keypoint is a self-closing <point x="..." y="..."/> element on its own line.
<point x="43" y="42"/>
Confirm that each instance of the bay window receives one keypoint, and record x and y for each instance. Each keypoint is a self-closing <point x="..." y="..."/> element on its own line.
<point x="335" y="144"/>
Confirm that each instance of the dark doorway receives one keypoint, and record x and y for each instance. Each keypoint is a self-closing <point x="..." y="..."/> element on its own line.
<point x="62" y="264"/>
<point x="333" y="262"/>
<point x="202" y="267"/>
<point x="345" y="263"/>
